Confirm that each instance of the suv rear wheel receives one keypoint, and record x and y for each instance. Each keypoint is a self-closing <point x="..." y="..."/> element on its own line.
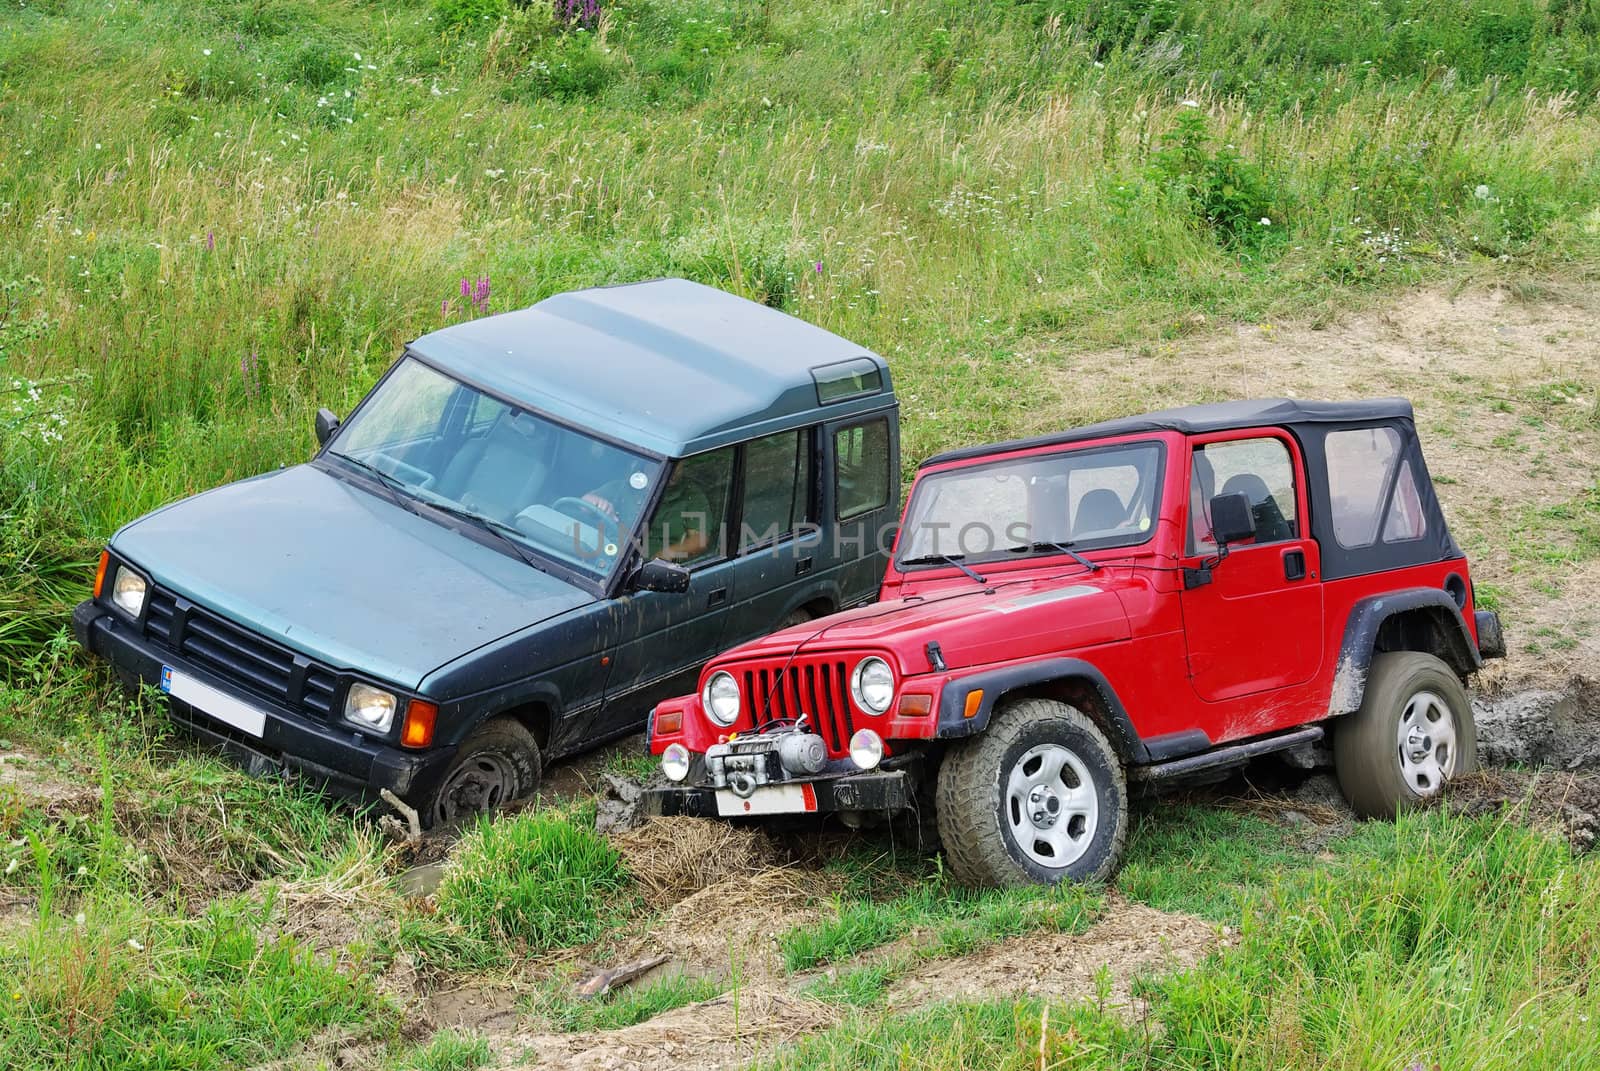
<point x="1412" y="733"/>
<point x="1038" y="797"/>
<point x="496" y="764"/>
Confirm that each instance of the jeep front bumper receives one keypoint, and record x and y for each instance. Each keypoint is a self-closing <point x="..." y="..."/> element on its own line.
<point x="879" y="790"/>
<point x="325" y="755"/>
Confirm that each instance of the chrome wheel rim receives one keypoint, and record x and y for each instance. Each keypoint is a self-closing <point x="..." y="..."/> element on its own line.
<point x="478" y="786"/>
<point x="1427" y="743"/>
<point x="1051" y="806"/>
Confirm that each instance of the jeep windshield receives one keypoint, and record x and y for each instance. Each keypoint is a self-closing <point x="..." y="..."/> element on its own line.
<point x="1055" y="503"/>
<point x="544" y="487"/>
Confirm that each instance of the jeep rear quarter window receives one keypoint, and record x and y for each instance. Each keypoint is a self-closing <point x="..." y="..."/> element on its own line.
<point x="1362" y="467"/>
<point x="861" y="477"/>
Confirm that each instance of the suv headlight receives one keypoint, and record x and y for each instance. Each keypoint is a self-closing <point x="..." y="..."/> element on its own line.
<point x="721" y="698"/>
<point x="872" y="684"/>
<point x="128" y="591"/>
<point x="369" y="707"/>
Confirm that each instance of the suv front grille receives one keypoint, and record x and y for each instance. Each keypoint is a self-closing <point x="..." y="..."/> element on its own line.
<point x="818" y="688"/>
<point x="239" y="655"/>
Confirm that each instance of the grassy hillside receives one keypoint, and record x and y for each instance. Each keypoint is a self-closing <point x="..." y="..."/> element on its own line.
<point x="215" y="216"/>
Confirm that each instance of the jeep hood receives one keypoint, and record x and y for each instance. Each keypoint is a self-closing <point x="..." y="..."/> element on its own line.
<point x="342" y="575"/>
<point x="972" y="626"/>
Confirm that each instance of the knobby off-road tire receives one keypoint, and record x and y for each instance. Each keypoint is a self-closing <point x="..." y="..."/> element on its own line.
<point x="1412" y="733"/>
<point x="994" y="788"/>
<point x="497" y="764"/>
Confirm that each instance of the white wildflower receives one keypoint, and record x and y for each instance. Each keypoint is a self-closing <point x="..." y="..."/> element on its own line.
<point x="133" y="943"/>
<point x="1265" y="222"/>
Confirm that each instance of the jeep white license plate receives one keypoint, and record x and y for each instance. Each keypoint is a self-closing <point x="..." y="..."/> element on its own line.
<point x="768" y="799"/>
<point x="207" y="700"/>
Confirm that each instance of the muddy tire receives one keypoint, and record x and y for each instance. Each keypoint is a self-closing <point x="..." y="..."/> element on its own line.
<point x="496" y="765"/>
<point x="1039" y="797"/>
<point x="1412" y="733"/>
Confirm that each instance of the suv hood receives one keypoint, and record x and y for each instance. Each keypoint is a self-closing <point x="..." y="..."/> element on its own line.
<point x="972" y="626"/>
<point x="342" y="575"/>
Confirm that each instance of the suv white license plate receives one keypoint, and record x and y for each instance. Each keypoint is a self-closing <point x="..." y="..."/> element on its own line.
<point x="768" y="799"/>
<point x="208" y="700"/>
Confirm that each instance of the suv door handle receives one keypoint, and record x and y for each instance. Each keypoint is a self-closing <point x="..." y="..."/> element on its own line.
<point x="802" y="567"/>
<point x="1294" y="565"/>
<point x="717" y="597"/>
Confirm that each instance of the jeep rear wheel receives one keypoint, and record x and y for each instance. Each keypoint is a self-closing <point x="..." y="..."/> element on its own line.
<point x="1038" y="797"/>
<point x="497" y="764"/>
<point x="1412" y="733"/>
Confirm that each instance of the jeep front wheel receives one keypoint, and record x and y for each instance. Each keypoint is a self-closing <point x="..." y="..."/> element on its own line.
<point x="496" y="764"/>
<point x="1411" y="734"/>
<point x="1038" y="797"/>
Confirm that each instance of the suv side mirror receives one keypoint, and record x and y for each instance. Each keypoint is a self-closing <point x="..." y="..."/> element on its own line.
<point x="327" y="424"/>
<point x="658" y="574"/>
<point x="1232" y="519"/>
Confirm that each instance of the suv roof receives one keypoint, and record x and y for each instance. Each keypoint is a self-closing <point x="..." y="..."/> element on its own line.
<point x="670" y="366"/>
<point x="1199" y="419"/>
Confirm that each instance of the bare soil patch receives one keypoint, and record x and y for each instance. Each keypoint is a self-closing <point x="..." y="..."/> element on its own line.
<point x="1129" y="941"/>
<point x="1560" y="802"/>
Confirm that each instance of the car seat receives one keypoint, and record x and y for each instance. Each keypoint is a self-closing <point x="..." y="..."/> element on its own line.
<point x="1271" y="526"/>
<point x="500" y="473"/>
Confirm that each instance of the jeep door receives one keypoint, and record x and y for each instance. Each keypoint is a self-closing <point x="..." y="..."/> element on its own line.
<point x="659" y="640"/>
<point x="1256" y="625"/>
<point x="779" y="542"/>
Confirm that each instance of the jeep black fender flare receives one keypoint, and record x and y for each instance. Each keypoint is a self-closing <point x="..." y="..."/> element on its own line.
<point x="1048" y="677"/>
<point x="1431" y="609"/>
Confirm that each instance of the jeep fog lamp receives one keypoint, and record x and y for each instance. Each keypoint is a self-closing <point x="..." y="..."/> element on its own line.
<point x="369" y="707"/>
<point x="866" y="749"/>
<point x="128" y="592"/>
<point x="675" y="762"/>
<point x="872" y="684"/>
<point x="721" y="698"/>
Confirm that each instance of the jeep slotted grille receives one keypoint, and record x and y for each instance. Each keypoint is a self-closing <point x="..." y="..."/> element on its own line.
<point x="819" y="688"/>
<point x="240" y="656"/>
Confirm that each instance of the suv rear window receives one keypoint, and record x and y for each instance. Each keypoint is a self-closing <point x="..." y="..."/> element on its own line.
<point x="1361" y="468"/>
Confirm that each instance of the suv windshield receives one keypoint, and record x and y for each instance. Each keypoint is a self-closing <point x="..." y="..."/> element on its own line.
<point x="1083" y="499"/>
<point x="565" y="494"/>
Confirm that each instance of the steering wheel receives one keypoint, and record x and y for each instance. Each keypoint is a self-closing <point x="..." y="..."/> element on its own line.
<point x="581" y="510"/>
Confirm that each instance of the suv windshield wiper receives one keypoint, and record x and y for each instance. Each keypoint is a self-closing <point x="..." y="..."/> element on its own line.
<point x="1064" y="548"/>
<point x="946" y="559"/>
<point x="498" y="529"/>
<point x="391" y="484"/>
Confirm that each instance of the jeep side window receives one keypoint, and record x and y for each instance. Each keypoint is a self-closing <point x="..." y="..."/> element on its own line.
<point x="861" y="460"/>
<point x="1260" y="469"/>
<point x="1406" y="521"/>
<point x="689" y="525"/>
<point x="777" y="487"/>
<point x="1361" y="463"/>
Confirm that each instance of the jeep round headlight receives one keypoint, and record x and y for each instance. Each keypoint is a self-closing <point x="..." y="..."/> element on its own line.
<point x="872" y="684"/>
<point x="675" y="762"/>
<point x="369" y="707"/>
<point x="866" y="749"/>
<point x="129" y="591"/>
<point x="721" y="698"/>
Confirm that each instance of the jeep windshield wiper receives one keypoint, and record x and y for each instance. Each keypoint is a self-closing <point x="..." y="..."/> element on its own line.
<point x="946" y="559"/>
<point x="499" y="529"/>
<point x="1064" y="548"/>
<point x="391" y="484"/>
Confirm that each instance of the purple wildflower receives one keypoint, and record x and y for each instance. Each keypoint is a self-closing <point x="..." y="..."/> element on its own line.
<point x="444" y="308"/>
<point x="466" y="287"/>
<point x="211" y="240"/>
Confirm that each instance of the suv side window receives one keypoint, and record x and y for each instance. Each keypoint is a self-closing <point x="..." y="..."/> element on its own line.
<point x="689" y="525"/>
<point x="861" y="460"/>
<point x="777" y="487"/>
<point x="1361" y="467"/>
<point x="1259" y="468"/>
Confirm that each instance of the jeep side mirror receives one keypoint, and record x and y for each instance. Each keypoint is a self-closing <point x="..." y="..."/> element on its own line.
<point x="658" y="574"/>
<point x="1231" y="519"/>
<point x="327" y="424"/>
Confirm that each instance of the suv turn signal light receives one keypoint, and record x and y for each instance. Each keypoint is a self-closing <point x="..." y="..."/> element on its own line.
<point x="418" y="731"/>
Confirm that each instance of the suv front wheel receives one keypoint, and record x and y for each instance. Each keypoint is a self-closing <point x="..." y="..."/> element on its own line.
<point x="1412" y="733"/>
<point x="1038" y="797"/>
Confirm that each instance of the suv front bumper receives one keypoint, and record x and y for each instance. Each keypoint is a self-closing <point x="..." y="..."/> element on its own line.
<point x="878" y="791"/>
<point x="339" y="760"/>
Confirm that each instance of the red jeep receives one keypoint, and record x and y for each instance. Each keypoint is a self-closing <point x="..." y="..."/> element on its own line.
<point x="1155" y="598"/>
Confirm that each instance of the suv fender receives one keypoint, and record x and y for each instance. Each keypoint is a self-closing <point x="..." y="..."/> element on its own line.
<point x="1051" y="677"/>
<point x="1436" y="627"/>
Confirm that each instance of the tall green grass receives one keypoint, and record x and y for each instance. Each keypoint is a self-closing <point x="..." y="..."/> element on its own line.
<point x="215" y="217"/>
